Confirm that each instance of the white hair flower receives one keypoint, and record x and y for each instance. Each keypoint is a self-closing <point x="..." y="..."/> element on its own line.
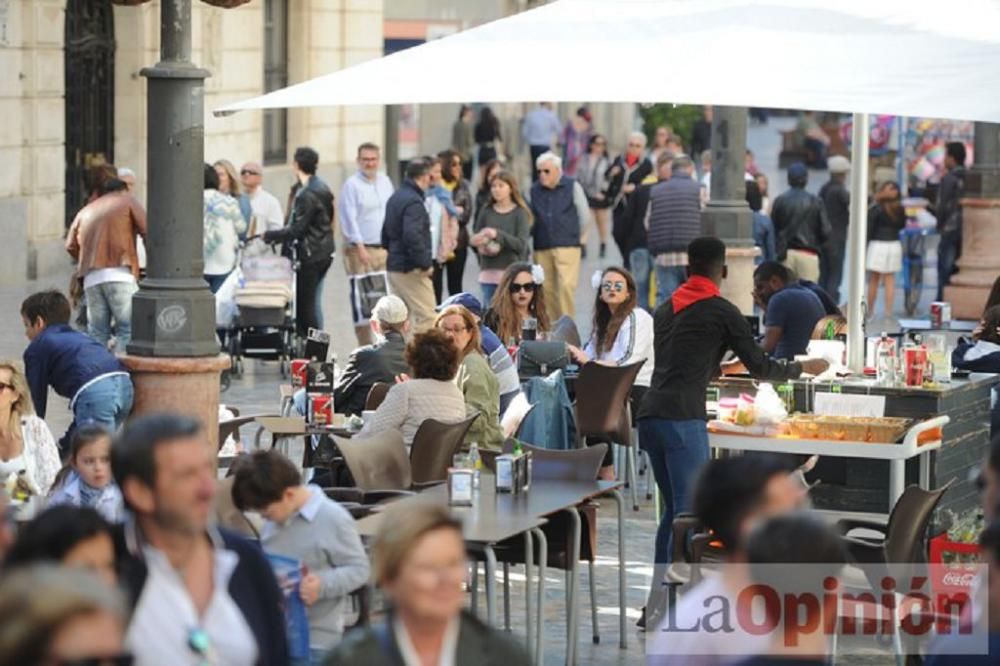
<point x="595" y="279"/>
<point x="537" y="273"/>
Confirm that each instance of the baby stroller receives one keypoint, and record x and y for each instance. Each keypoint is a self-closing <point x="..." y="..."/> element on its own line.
<point x="263" y="324"/>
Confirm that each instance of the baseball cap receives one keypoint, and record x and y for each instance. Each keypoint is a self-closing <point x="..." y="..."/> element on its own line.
<point x="465" y="299"/>
<point x="838" y="164"/>
<point x="390" y="309"/>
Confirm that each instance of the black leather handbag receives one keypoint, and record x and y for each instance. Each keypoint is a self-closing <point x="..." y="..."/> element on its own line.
<point x="537" y="358"/>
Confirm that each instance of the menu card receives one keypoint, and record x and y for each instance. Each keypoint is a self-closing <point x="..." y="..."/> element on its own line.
<point x="844" y="404"/>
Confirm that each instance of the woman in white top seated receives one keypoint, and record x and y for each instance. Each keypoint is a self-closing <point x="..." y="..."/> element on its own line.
<point x="28" y="453"/>
<point x="622" y="335"/>
<point x="431" y="392"/>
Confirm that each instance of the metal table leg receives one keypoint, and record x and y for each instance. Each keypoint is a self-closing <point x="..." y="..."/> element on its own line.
<point x="620" y="501"/>
<point x="528" y="564"/>
<point x="571" y="611"/>
<point x="897" y="479"/>
<point x="543" y="559"/>
<point x="491" y="586"/>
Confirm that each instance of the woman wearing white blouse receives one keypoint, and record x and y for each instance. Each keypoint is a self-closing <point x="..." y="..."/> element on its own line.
<point x="622" y="335"/>
<point x="27" y="448"/>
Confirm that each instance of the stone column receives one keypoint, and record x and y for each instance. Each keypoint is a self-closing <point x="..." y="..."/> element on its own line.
<point x="727" y="214"/>
<point x="979" y="264"/>
<point x="174" y="354"/>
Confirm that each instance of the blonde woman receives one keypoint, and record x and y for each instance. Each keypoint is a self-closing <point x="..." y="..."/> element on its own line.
<point x="27" y="449"/>
<point x="230" y="184"/>
<point x="475" y="379"/>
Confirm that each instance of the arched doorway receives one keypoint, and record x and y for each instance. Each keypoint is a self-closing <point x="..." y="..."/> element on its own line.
<point x="90" y="95"/>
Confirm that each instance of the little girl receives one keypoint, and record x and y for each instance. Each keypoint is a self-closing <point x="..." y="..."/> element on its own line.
<point x="86" y="479"/>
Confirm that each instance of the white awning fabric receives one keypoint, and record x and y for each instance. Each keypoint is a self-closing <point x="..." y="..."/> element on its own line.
<point x="899" y="57"/>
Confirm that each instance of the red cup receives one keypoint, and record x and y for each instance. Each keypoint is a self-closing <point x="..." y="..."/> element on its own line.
<point x="299" y="368"/>
<point x="321" y="408"/>
<point x="914" y="365"/>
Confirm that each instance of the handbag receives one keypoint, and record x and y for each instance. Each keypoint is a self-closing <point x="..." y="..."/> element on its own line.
<point x="366" y="290"/>
<point x="537" y="358"/>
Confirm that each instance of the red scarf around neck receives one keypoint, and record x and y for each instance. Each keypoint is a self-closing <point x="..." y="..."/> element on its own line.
<point x="696" y="288"/>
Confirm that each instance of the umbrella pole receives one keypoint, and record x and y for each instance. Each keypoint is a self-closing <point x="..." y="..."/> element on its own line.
<point x="857" y="239"/>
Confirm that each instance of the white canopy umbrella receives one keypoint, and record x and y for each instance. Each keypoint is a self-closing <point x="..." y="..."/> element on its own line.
<point x="898" y="57"/>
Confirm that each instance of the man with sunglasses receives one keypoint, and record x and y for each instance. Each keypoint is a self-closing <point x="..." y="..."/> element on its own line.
<point x="559" y="206"/>
<point x="267" y="213"/>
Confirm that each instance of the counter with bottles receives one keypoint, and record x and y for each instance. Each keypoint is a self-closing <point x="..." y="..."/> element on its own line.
<point x="857" y="484"/>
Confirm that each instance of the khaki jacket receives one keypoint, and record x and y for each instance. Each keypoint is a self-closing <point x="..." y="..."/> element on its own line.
<point x="103" y="233"/>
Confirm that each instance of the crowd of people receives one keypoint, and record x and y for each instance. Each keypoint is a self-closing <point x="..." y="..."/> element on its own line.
<point x="136" y="512"/>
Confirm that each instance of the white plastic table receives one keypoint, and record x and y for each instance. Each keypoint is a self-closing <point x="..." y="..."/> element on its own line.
<point x="896" y="454"/>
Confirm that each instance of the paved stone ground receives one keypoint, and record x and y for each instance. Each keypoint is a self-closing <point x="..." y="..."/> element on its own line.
<point x="256" y="392"/>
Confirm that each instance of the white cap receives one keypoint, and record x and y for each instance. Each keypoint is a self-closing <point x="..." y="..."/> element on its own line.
<point x="838" y="164"/>
<point x="390" y="309"/>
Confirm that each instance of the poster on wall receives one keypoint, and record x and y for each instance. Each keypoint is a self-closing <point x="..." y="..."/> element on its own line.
<point x="925" y="140"/>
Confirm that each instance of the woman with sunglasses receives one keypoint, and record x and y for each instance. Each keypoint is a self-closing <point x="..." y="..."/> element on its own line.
<point x="29" y="458"/>
<point x="590" y="172"/>
<point x="502" y="232"/>
<point x="519" y="296"/>
<point x="622" y="335"/>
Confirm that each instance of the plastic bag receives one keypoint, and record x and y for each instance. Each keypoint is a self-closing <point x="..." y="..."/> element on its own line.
<point x="769" y="407"/>
<point x="288" y="571"/>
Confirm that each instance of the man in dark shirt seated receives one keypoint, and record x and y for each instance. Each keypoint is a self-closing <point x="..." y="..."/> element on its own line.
<point x="371" y="364"/>
<point x="791" y="310"/>
<point x="76" y="366"/>
<point x="692" y="331"/>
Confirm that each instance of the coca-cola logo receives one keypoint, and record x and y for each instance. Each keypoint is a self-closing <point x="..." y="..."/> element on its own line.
<point x="958" y="579"/>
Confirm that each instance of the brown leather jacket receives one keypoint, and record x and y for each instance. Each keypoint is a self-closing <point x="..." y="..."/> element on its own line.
<point x="103" y="233"/>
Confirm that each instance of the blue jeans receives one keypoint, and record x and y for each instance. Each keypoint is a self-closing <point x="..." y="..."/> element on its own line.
<point x="106" y="302"/>
<point x="668" y="278"/>
<point x="677" y="451"/>
<point x="949" y="250"/>
<point x="106" y="402"/>
<point x="488" y="291"/>
<point x="642" y="270"/>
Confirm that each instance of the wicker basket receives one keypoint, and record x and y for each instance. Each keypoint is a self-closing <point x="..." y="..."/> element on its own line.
<point x="847" y="429"/>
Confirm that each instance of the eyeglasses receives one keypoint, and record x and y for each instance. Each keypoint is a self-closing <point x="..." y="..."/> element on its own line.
<point x="454" y="331"/>
<point x="248" y="172"/>
<point x="617" y="286"/>
<point x="529" y="287"/>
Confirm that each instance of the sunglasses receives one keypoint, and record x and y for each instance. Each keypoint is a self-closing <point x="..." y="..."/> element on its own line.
<point x="529" y="287"/>
<point x="116" y="660"/>
<point x="248" y="172"/>
<point x="613" y="286"/>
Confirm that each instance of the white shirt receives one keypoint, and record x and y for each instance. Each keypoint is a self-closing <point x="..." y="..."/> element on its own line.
<point x="449" y="646"/>
<point x="633" y="343"/>
<point x="165" y="617"/>
<point x="362" y="208"/>
<point x="700" y="648"/>
<point x="266" y="210"/>
<point x="105" y="275"/>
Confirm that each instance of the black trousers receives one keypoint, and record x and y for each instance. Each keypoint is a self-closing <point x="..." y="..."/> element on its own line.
<point x="306" y="306"/>
<point x="831" y="266"/>
<point x="455" y="268"/>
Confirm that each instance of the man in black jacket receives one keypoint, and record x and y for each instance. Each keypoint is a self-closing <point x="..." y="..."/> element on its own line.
<point x="949" y="213"/>
<point x="692" y="330"/>
<point x="379" y="362"/>
<point x="406" y="235"/>
<point x="837" y="201"/>
<point x="196" y="593"/>
<point x="310" y="228"/>
<point x="801" y="225"/>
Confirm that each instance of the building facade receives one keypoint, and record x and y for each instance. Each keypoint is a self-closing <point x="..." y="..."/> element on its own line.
<point x="74" y="97"/>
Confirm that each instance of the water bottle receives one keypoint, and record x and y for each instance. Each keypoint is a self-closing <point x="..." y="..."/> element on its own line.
<point x="476" y="461"/>
<point x="885" y="361"/>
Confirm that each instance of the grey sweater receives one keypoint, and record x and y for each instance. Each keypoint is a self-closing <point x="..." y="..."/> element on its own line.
<point x="513" y="235"/>
<point x="323" y="536"/>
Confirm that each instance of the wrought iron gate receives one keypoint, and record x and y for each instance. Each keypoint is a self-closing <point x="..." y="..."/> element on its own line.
<point x="90" y="95"/>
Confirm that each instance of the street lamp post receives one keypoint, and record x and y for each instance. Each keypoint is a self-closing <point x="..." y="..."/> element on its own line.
<point x="174" y="355"/>
<point x="727" y="214"/>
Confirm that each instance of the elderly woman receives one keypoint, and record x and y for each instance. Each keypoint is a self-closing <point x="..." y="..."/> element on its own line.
<point x="418" y="558"/>
<point x="475" y="378"/>
<point x="431" y="392"/>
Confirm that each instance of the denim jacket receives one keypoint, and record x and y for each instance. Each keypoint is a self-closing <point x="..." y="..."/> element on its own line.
<point x="553" y="424"/>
